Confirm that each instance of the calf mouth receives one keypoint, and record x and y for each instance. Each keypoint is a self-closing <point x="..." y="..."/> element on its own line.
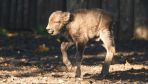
<point x="50" y="32"/>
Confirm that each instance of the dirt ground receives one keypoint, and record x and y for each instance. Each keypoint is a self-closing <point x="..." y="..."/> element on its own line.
<point x="29" y="58"/>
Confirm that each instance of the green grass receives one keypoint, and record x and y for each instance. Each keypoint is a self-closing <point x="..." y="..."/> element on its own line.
<point x="41" y="30"/>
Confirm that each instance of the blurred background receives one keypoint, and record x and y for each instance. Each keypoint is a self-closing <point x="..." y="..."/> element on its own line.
<point x="32" y="15"/>
<point x="26" y="46"/>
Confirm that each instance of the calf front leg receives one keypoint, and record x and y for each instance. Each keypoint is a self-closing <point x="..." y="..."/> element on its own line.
<point x="107" y="38"/>
<point x="64" y="47"/>
<point x="79" y="56"/>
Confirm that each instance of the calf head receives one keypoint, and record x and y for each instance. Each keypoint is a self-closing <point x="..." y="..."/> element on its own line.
<point x="56" y="22"/>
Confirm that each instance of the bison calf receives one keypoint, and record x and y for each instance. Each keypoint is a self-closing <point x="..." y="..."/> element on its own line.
<point x="78" y="28"/>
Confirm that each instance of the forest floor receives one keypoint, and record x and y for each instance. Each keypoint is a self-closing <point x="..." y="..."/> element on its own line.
<point x="28" y="58"/>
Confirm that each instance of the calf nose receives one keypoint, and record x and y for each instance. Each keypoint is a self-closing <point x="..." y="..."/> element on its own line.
<point x="47" y="28"/>
<point x="50" y="31"/>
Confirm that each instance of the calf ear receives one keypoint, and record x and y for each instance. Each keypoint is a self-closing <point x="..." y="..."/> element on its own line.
<point x="66" y="16"/>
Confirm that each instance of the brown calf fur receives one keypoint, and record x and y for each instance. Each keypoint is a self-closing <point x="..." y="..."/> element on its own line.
<point x="80" y="27"/>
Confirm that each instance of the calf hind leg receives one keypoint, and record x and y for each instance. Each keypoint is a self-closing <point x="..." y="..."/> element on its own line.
<point x="79" y="57"/>
<point x="107" y="38"/>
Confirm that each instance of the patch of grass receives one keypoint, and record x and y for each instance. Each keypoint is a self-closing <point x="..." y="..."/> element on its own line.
<point x="3" y="31"/>
<point x="41" y="30"/>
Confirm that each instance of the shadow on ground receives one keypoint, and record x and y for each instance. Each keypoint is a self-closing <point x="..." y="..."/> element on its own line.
<point x="23" y="50"/>
<point x="128" y="75"/>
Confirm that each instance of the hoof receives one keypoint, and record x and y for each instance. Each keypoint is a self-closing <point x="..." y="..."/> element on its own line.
<point x="78" y="80"/>
<point x="69" y="68"/>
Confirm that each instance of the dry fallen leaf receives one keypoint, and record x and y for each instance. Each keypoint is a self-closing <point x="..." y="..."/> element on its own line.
<point x="42" y="48"/>
<point x="11" y="34"/>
